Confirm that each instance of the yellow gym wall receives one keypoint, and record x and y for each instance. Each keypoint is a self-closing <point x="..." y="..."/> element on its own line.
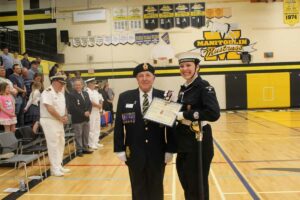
<point x="268" y="90"/>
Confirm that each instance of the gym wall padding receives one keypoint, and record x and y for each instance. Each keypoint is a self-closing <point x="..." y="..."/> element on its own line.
<point x="295" y="89"/>
<point x="268" y="90"/>
<point x="236" y="91"/>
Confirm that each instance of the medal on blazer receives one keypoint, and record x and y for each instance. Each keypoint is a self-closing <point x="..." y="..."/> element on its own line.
<point x="78" y="102"/>
<point x="128" y="118"/>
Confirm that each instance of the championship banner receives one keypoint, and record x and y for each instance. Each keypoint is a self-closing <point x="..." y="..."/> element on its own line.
<point x="123" y="39"/>
<point x="83" y="41"/>
<point x="155" y="38"/>
<point x="166" y="16"/>
<point x="147" y="38"/>
<point x="107" y="40"/>
<point x="197" y="14"/>
<point x="76" y="42"/>
<point x="210" y="13"/>
<point x="115" y="39"/>
<point x="150" y="17"/>
<point x="99" y="41"/>
<point x="227" y="12"/>
<point x="120" y="18"/>
<point x="291" y="12"/>
<point x="134" y="17"/>
<point x="91" y="41"/>
<point x="139" y="38"/>
<point x="219" y="13"/>
<point x="131" y="38"/>
<point x="182" y="15"/>
<point x="166" y="38"/>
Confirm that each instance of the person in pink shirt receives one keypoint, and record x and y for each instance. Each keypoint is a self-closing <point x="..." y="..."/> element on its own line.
<point x="7" y="108"/>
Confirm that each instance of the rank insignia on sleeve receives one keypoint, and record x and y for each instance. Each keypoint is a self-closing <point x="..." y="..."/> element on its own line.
<point x="210" y="89"/>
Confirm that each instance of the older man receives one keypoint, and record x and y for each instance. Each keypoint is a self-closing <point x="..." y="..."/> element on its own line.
<point x="147" y="146"/>
<point x="53" y="117"/>
<point x="80" y="108"/>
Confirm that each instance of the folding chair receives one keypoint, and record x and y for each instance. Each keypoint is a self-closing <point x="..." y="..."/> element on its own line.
<point x="32" y="145"/>
<point x="70" y="137"/>
<point x="9" y="143"/>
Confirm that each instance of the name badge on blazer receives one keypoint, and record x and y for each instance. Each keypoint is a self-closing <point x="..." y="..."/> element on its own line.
<point x="128" y="118"/>
<point x="129" y="105"/>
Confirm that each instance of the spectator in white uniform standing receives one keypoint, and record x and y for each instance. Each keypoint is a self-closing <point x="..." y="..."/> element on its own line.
<point x="95" y="122"/>
<point x="53" y="117"/>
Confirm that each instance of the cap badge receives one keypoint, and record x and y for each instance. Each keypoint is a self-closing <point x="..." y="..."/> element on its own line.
<point x="145" y="66"/>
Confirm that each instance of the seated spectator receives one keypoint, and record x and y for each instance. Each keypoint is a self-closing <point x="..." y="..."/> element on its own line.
<point x="7" y="108"/>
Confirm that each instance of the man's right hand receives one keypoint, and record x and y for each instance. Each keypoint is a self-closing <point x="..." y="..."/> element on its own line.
<point x="87" y="114"/>
<point x="122" y="156"/>
<point x="64" y="119"/>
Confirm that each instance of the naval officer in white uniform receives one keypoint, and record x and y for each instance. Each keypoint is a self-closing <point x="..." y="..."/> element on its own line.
<point x="53" y="117"/>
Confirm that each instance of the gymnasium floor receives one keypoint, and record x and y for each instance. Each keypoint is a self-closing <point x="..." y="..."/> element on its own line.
<point x="257" y="156"/>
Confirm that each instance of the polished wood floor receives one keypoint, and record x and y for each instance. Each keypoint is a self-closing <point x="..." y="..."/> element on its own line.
<point x="257" y="156"/>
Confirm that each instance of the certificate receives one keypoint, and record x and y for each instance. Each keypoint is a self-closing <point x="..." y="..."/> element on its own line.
<point x="162" y="111"/>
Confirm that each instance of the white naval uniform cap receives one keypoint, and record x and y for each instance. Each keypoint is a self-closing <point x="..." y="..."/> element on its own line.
<point x="188" y="57"/>
<point x="59" y="77"/>
<point x="90" y="80"/>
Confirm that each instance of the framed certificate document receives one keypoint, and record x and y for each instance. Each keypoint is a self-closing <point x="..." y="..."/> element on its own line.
<point x="162" y="111"/>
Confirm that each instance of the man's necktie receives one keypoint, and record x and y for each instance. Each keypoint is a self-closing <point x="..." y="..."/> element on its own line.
<point x="145" y="103"/>
<point x="82" y="96"/>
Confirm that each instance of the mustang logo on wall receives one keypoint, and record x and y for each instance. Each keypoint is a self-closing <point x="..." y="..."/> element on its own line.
<point x="219" y="44"/>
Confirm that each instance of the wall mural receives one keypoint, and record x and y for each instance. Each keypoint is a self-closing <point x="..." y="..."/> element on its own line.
<point x="223" y="41"/>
